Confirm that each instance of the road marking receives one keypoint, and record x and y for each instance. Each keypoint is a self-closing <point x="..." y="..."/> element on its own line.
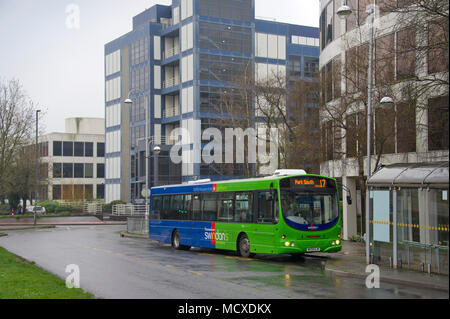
<point x="119" y="254"/>
<point x="239" y="258"/>
<point x="170" y="266"/>
<point x="152" y="262"/>
<point x="195" y="273"/>
<point x="205" y="254"/>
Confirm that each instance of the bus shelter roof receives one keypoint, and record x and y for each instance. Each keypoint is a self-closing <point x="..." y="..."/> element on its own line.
<point x="411" y="175"/>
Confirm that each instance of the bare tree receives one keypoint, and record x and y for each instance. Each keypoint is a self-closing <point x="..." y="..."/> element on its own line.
<point x="410" y="65"/>
<point x="16" y="127"/>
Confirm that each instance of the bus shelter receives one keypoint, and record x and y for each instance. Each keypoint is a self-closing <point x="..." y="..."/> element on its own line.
<point x="409" y="216"/>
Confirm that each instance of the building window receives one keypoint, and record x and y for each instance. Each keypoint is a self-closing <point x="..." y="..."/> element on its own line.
<point x="225" y="37"/>
<point x="140" y="79"/>
<point x="57" y="148"/>
<point x="88" y="191"/>
<point x="237" y="10"/>
<point x="438" y="123"/>
<point x="406" y="54"/>
<point x="67" y="148"/>
<point x="438" y="46"/>
<point x="57" y="170"/>
<point x="100" y="170"/>
<point x="385" y="129"/>
<point x="139" y="51"/>
<point x="56" y="192"/>
<point x="43" y="149"/>
<point x="88" y="149"/>
<point x="406" y="127"/>
<point x="78" y="149"/>
<point x="295" y="65"/>
<point x="67" y="170"/>
<point x="384" y="60"/>
<point x="67" y="192"/>
<point x="78" y="170"/>
<point x="100" y="149"/>
<point x="88" y="170"/>
<point x="311" y="66"/>
<point x="351" y="135"/>
<point x="100" y="191"/>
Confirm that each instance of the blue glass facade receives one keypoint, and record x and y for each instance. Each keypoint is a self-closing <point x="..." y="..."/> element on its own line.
<point x="178" y="60"/>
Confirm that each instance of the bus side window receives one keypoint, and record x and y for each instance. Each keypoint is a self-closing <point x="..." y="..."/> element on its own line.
<point x="275" y="205"/>
<point x="187" y="206"/>
<point x="209" y="203"/>
<point x="177" y="208"/>
<point x="196" y="208"/>
<point x="165" y="209"/>
<point x="156" y="207"/>
<point x="244" y="207"/>
<point x="265" y="207"/>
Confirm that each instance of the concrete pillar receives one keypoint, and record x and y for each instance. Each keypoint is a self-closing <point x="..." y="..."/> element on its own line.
<point x="349" y="211"/>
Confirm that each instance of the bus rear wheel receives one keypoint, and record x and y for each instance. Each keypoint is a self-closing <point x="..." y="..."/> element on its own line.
<point x="243" y="246"/>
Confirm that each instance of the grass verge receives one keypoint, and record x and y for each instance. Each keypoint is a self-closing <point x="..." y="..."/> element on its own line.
<point x="20" y="279"/>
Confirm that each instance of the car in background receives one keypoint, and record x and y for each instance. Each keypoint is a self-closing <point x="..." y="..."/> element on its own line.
<point x="37" y="209"/>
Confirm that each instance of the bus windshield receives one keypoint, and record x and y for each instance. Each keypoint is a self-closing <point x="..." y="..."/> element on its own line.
<point x="301" y="208"/>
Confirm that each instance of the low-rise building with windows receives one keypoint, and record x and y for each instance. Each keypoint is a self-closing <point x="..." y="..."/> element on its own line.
<point x="74" y="160"/>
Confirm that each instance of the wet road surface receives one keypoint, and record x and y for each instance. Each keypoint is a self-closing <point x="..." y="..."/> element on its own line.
<point x="115" y="267"/>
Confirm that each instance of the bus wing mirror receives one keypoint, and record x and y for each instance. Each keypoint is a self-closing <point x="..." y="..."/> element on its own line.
<point x="349" y="200"/>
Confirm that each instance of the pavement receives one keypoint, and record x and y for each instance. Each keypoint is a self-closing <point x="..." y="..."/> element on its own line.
<point x="351" y="262"/>
<point x="12" y="222"/>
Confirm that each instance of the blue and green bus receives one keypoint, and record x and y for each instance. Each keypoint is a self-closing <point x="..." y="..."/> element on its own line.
<point x="286" y="214"/>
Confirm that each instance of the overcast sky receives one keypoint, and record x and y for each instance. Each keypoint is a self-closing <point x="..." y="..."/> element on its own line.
<point x="60" y="62"/>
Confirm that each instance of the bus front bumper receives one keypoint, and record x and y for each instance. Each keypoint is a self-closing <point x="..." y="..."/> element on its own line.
<point x="306" y="247"/>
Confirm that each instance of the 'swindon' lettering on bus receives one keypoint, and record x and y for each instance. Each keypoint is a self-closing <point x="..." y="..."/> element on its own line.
<point x="211" y="234"/>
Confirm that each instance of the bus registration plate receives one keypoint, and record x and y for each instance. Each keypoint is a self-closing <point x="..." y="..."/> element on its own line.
<point x="311" y="249"/>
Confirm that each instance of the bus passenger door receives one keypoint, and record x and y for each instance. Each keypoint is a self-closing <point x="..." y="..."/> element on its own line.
<point x="266" y="218"/>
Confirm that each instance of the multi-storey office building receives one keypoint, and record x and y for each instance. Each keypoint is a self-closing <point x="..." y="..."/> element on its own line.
<point x="411" y="133"/>
<point x="176" y="62"/>
<point x="74" y="160"/>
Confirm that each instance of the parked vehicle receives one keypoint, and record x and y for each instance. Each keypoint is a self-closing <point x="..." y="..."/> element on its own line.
<point x="37" y="209"/>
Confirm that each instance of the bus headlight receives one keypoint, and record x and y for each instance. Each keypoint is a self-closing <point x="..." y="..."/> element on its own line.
<point x="292" y="244"/>
<point x="333" y="243"/>
<point x="283" y="237"/>
<point x="286" y="244"/>
<point x="338" y="242"/>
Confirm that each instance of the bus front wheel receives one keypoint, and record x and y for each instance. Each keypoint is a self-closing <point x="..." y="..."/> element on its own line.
<point x="176" y="242"/>
<point x="243" y="248"/>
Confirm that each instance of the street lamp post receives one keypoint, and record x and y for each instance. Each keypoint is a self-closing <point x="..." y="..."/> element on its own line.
<point x="36" y="187"/>
<point x="344" y="11"/>
<point x="156" y="151"/>
<point x="388" y="100"/>
<point x="146" y="192"/>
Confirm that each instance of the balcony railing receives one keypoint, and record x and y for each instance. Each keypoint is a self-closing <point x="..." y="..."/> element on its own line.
<point x="171" y="82"/>
<point x="171" y="52"/>
<point x="171" y="111"/>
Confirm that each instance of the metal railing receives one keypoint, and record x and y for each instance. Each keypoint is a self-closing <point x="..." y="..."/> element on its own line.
<point x="171" y="82"/>
<point x="129" y="210"/>
<point x="93" y="207"/>
<point x="171" y="52"/>
<point x="171" y="111"/>
<point x="166" y="23"/>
